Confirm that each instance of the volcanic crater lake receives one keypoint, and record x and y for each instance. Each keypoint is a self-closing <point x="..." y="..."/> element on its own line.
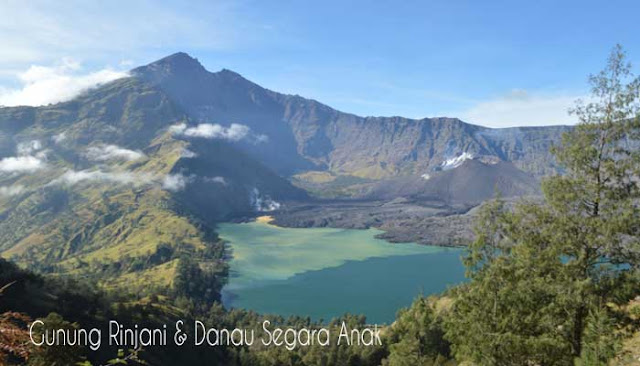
<point x="323" y="272"/>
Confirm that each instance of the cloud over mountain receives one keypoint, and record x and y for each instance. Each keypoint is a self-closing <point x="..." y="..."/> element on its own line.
<point x="41" y="85"/>
<point x="186" y="153"/>
<point x="30" y="158"/>
<point x="28" y="147"/>
<point x="234" y="132"/>
<point x="73" y="177"/>
<point x="170" y="182"/>
<point x="59" y="138"/>
<point x="9" y="191"/>
<point x="21" y="164"/>
<point x="175" y="182"/>
<point x="112" y="152"/>
<point x="217" y="179"/>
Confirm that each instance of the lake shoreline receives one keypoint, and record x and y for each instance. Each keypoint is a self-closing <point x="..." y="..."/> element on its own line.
<point x="391" y="235"/>
<point x="272" y="267"/>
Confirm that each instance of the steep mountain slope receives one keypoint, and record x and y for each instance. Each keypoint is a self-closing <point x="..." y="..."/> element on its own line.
<point x="225" y="98"/>
<point x="304" y="135"/>
<point x="102" y="186"/>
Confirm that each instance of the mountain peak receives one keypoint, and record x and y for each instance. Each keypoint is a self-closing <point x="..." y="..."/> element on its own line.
<point x="179" y="63"/>
<point x="179" y="56"/>
<point x="179" y="59"/>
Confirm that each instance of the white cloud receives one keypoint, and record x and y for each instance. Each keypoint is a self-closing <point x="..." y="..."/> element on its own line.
<point x="521" y="108"/>
<point x="9" y="191"/>
<point x="41" y="85"/>
<point x="234" y="132"/>
<point x="261" y="138"/>
<point x="26" y="161"/>
<point x="262" y="203"/>
<point x="112" y="152"/>
<point x="21" y="164"/>
<point x="178" y="129"/>
<point x="28" y="147"/>
<point x="219" y="180"/>
<point x="73" y="177"/>
<point x="186" y="153"/>
<point x="170" y="182"/>
<point x="175" y="182"/>
<point x="59" y="138"/>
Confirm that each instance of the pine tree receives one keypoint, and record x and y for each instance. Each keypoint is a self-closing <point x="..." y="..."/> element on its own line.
<point x="417" y="337"/>
<point x="599" y="340"/>
<point x="539" y="270"/>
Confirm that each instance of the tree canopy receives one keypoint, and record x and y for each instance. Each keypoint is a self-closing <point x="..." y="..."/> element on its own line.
<point x="543" y="274"/>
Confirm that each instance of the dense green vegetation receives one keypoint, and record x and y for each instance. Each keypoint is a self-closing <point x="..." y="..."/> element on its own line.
<point x="544" y="277"/>
<point x="551" y="283"/>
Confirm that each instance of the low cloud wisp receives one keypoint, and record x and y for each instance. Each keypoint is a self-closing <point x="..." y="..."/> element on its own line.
<point x="30" y="158"/>
<point x="235" y="132"/>
<point x="72" y="177"/>
<point x="21" y="164"/>
<point x="175" y="182"/>
<point x="112" y="152"/>
<point x="9" y="191"/>
<point x="170" y="182"/>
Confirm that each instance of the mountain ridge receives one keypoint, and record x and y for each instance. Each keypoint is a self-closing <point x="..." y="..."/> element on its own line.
<point x="318" y="137"/>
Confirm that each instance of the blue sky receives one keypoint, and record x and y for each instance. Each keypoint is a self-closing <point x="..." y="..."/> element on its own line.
<point x="495" y="63"/>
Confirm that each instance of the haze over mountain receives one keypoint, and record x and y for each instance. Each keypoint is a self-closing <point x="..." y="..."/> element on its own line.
<point x="152" y="161"/>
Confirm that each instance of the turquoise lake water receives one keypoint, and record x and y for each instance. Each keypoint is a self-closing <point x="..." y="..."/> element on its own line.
<point x="324" y="273"/>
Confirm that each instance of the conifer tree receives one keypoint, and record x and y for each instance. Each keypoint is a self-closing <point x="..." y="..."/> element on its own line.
<point x="539" y="271"/>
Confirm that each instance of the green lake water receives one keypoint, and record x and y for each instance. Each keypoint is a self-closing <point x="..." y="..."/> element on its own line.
<point x="324" y="273"/>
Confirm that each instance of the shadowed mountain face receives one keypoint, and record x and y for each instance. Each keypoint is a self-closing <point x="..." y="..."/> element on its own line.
<point x="304" y="135"/>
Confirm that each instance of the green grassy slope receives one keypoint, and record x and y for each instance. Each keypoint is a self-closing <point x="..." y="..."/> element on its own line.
<point x="116" y="218"/>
